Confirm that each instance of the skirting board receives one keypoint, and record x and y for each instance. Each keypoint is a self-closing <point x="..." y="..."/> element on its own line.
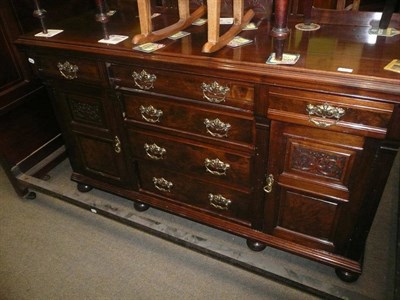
<point x="285" y="268"/>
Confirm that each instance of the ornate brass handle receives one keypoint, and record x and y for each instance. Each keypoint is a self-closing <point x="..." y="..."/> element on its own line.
<point x="216" y="166"/>
<point x="214" y="92"/>
<point x="219" y="201"/>
<point x="154" y="152"/>
<point x="269" y="181"/>
<point x="117" y="145"/>
<point x="144" y="80"/>
<point x="162" y="184"/>
<point x="217" y="128"/>
<point x="150" y="113"/>
<point x="325" y="111"/>
<point x="67" y="70"/>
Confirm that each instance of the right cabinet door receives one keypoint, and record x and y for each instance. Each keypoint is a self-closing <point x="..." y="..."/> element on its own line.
<point x="321" y="154"/>
<point x="314" y="184"/>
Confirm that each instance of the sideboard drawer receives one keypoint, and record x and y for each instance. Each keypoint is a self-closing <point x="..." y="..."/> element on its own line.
<point x="70" y="68"/>
<point x="195" y="159"/>
<point x="194" y="119"/>
<point x="210" y="198"/>
<point x="337" y="113"/>
<point x="203" y="88"/>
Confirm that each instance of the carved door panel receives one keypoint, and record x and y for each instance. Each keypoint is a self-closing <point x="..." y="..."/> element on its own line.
<point x="93" y="141"/>
<point x="311" y="187"/>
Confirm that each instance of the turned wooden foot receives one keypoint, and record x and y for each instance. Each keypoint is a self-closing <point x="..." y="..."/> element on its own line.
<point x="255" y="245"/>
<point x="139" y="206"/>
<point x="83" y="188"/>
<point x="347" y="276"/>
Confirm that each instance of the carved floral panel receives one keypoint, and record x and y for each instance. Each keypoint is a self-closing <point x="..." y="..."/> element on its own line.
<point x="318" y="162"/>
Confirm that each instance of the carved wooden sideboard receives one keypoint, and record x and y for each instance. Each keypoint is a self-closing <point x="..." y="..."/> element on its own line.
<point x="294" y="157"/>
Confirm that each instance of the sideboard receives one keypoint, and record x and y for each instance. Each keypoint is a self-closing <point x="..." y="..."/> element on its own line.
<point x="290" y="156"/>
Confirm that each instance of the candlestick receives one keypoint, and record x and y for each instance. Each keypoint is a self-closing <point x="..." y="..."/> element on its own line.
<point x="40" y="14"/>
<point x="307" y="25"/>
<point x="102" y="17"/>
<point x="280" y="31"/>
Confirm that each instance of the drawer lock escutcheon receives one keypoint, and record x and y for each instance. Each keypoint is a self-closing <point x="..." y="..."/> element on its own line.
<point x="151" y="114"/>
<point x="214" y="92"/>
<point x="117" y="145"/>
<point x="216" y="166"/>
<point x="219" y="201"/>
<point x="162" y="184"/>
<point x="324" y="111"/>
<point x="154" y="152"/>
<point x="217" y="128"/>
<point x="67" y="70"/>
<point x="269" y="181"/>
<point x="144" y="80"/>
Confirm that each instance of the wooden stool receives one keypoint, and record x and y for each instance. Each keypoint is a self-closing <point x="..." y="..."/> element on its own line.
<point x="240" y="20"/>
<point x="148" y="35"/>
<point x="215" y="41"/>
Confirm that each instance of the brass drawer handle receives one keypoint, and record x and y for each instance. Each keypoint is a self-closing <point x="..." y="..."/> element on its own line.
<point x="150" y="113"/>
<point x="217" y="128"/>
<point x="219" y="201"/>
<point x="162" y="184"/>
<point x="67" y="70"/>
<point x="269" y="181"/>
<point x="154" y="152"/>
<point x="117" y="145"/>
<point x="144" y="80"/>
<point x="216" y="166"/>
<point x="324" y="111"/>
<point x="214" y="92"/>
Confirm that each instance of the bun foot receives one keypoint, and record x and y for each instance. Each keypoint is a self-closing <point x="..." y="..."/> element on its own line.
<point x="83" y="188"/>
<point x="346" y="276"/>
<point x="139" y="206"/>
<point x="255" y="245"/>
<point x="30" y="196"/>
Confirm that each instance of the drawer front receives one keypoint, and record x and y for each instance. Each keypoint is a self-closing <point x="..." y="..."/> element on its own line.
<point x="197" y="87"/>
<point x="331" y="112"/>
<point x="161" y="111"/>
<point x="209" y="198"/>
<point x="195" y="159"/>
<point x="70" y="68"/>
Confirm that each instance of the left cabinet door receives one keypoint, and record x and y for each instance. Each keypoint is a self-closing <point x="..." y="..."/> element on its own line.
<point x="87" y="117"/>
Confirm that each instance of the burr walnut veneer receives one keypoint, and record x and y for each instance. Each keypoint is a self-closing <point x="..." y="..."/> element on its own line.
<point x="294" y="157"/>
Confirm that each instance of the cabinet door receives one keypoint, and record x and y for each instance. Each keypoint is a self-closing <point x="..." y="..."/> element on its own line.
<point x="94" y="145"/>
<point x="314" y="179"/>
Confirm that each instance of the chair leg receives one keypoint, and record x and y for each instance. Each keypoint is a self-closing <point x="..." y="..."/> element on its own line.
<point x="148" y="35"/>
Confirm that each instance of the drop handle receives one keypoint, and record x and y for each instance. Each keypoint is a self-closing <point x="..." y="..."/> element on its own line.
<point x="214" y="92"/>
<point x="68" y="70"/>
<point x="269" y="181"/>
<point x="151" y="114"/>
<point x="162" y="184"/>
<point x="217" y="128"/>
<point x="219" y="201"/>
<point x="154" y="151"/>
<point x="329" y="114"/>
<point x="216" y="166"/>
<point x="117" y="145"/>
<point x="143" y="80"/>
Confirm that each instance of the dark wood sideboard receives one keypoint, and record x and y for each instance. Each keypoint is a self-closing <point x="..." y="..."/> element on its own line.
<point x="293" y="157"/>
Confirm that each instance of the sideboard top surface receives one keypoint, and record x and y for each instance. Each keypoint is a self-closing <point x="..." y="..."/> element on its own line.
<point x="322" y="52"/>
